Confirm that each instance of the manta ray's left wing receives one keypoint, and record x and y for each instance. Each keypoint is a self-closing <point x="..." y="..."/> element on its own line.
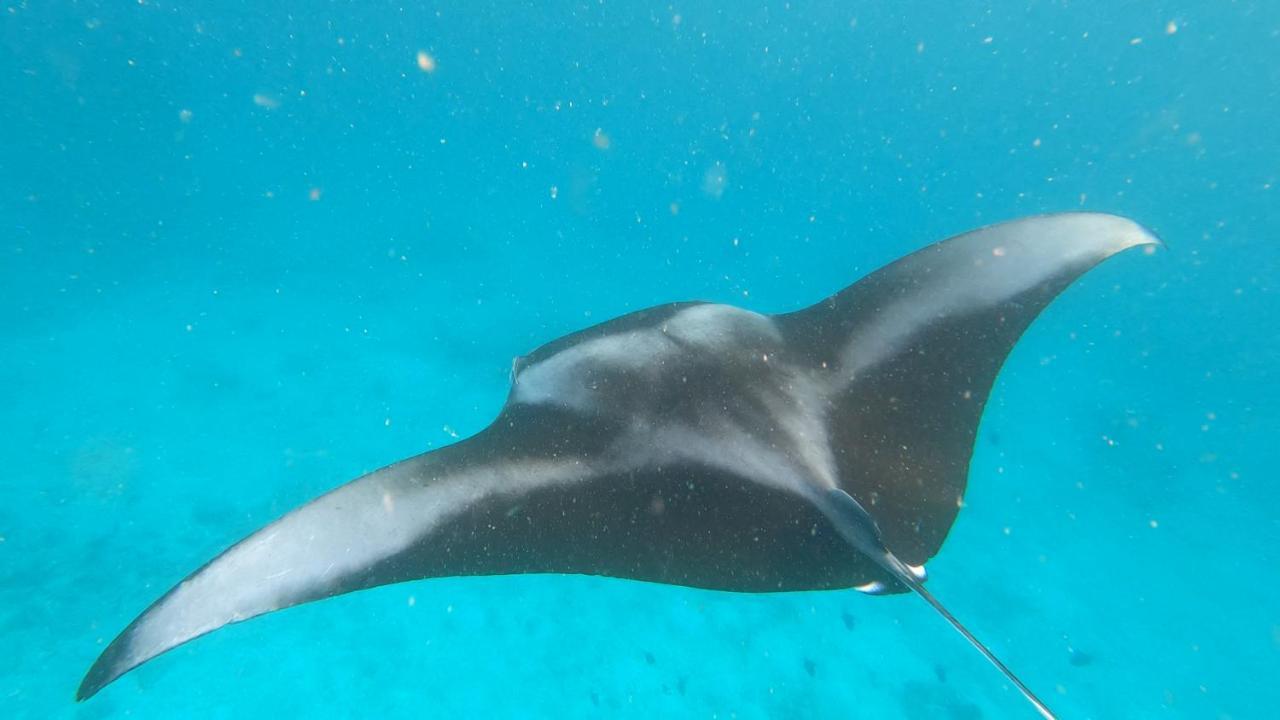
<point x="541" y="490"/>
<point x="430" y="515"/>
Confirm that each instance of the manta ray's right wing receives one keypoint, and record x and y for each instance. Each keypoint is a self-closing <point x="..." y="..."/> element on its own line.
<point x="910" y="354"/>
<point x="911" y="351"/>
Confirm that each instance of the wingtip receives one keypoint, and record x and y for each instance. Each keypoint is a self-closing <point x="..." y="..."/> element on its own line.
<point x="1135" y="234"/>
<point x="98" y="677"/>
<point x="1126" y="232"/>
<point x="90" y="685"/>
<point x="108" y="667"/>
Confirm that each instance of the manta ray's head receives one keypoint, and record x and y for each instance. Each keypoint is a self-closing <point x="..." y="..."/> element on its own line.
<point x="597" y="373"/>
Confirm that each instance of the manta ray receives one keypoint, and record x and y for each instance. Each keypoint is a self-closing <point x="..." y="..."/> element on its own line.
<point x="692" y="443"/>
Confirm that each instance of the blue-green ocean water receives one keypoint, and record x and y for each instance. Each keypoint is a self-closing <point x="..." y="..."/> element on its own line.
<point x="249" y="251"/>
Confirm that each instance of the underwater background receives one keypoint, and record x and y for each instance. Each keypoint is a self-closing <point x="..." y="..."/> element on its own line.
<point x="249" y="251"/>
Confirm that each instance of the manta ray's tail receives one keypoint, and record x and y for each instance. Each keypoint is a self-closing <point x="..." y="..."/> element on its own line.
<point x="859" y="529"/>
<point x="1026" y="691"/>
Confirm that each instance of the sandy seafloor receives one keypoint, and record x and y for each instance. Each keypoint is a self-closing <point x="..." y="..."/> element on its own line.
<point x="247" y="254"/>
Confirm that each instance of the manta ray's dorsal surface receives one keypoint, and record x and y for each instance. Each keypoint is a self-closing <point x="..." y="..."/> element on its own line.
<point x="692" y="444"/>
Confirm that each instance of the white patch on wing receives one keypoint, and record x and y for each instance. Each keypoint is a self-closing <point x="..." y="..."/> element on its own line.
<point x="792" y="451"/>
<point x="559" y="379"/>
<point x="794" y="455"/>
<point x="725" y="447"/>
<point x="1030" y="252"/>
<point x="799" y="416"/>
<point x="720" y="327"/>
<point x="562" y="378"/>
<point x="347" y="531"/>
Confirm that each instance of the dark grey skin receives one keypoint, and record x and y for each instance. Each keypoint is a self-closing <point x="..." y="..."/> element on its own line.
<point x="691" y="444"/>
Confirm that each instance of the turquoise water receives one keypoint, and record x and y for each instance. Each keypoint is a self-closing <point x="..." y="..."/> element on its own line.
<point x="248" y="253"/>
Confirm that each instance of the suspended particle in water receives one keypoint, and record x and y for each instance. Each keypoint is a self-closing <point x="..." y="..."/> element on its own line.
<point x="426" y="63"/>
<point x="714" y="180"/>
<point x="264" y="100"/>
